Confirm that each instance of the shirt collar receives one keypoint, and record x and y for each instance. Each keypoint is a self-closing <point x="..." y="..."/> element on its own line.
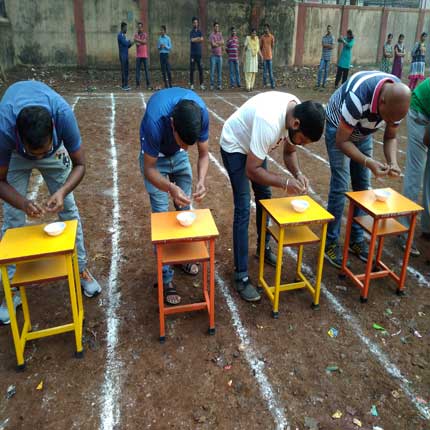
<point x="376" y="94"/>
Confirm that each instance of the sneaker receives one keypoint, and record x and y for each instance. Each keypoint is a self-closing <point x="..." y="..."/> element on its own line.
<point x="269" y="256"/>
<point x="219" y="88"/>
<point x="212" y="87"/>
<point x="90" y="286"/>
<point x="402" y="244"/>
<point x="360" y="249"/>
<point x="4" y="312"/>
<point x="202" y="87"/>
<point x="127" y="88"/>
<point x="246" y="290"/>
<point x="149" y="88"/>
<point x="333" y="255"/>
<point x="191" y="87"/>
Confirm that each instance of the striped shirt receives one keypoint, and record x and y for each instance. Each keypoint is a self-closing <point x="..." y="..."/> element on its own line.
<point x="326" y="52"/>
<point x="232" y="48"/>
<point x="355" y="103"/>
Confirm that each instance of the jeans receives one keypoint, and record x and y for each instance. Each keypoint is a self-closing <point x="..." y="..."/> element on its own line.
<point x="165" y="70"/>
<point x="323" y="68"/>
<point x="233" y="66"/>
<point x="139" y="62"/>
<point x="268" y="69"/>
<point x="235" y="164"/>
<point x="177" y="169"/>
<point x="341" y="73"/>
<point x="216" y="62"/>
<point x="55" y="171"/>
<point x="343" y="169"/>
<point x="124" y="71"/>
<point x="417" y="166"/>
<point x="196" y="59"/>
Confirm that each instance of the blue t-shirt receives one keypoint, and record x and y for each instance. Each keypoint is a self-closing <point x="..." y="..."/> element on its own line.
<point x="123" y="45"/>
<point x="196" y="47"/>
<point x="156" y="134"/>
<point x="33" y="93"/>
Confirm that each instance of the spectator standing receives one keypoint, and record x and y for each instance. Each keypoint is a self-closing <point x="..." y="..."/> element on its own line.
<point x="123" y="46"/>
<point x="217" y="42"/>
<point x="387" y="55"/>
<point x="267" y="42"/>
<point x="232" y="48"/>
<point x="399" y="55"/>
<point x="344" y="63"/>
<point x="418" y="63"/>
<point x="252" y="51"/>
<point x="164" y="46"/>
<point x="196" y="40"/>
<point x="327" y="43"/>
<point x="141" y="41"/>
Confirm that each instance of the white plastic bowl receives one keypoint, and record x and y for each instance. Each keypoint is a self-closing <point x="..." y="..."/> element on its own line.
<point x="382" y="195"/>
<point x="55" y="228"/>
<point x="299" y="205"/>
<point x="186" y="218"/>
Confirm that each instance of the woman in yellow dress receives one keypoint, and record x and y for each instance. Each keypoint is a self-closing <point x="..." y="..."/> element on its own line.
<point x="251" y="53"/>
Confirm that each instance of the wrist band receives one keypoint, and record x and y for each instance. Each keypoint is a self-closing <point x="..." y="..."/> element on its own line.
<point x="298" y="174"/>
<point x="286" y="184"/>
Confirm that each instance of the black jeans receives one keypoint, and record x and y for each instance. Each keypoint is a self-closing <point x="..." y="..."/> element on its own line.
<point x="196" y="59"/>
<point x="124" y="71"/>
<point x="165" y="70"/>
<point x="341" y="72"/>
<point x="139" y="62"/>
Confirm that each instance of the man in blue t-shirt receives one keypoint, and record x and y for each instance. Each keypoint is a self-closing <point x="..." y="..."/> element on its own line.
<point x="175" y="119"/>
<point x="196" y="40"/>
<point x="123" y="46"/>
<point x="38" y="130"/>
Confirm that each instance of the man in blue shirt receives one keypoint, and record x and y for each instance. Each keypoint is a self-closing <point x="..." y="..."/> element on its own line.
<point x="175" y="119"/>
<point x="164" y="46"/>
<point x="327" y="43"/>
<point x="38" y="130"/>
<point x="124" y="45"/>
<point x="196" y="40"/>
<point x="366" y="102"/>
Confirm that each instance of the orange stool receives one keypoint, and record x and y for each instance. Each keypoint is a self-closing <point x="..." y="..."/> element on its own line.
<point x="176" y="244"/>
<point x="379" y="223"/>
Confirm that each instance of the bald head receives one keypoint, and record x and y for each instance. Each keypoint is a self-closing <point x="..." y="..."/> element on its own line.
<point x="393" y="103"/>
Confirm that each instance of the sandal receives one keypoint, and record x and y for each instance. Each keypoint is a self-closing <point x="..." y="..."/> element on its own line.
<point x="190" y="268"/>
<point x="171" y="296"/>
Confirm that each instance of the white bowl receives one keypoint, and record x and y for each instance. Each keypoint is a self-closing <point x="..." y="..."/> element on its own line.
<point x="382" y="195"/>
<point x="186" y="218"/>
<point x="55" y="228"/>
<point x="299" y="205"/>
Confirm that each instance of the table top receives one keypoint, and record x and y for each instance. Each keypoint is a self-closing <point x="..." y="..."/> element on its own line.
<point x="395" y="205"/>
<point x="283" y="214"/>
<point x="166" y="228"/>
<point x="25" y="243"/>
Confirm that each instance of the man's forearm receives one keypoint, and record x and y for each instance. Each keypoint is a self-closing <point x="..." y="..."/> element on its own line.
<point x="202" y="167"/>
<point x="390" y="150"/>
<point x="10" y="195"/>
<point x="74" y="179"/>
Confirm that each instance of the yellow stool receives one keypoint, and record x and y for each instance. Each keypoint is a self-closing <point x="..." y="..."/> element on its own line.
<point x="40" y="258"/>
<point x="290" y="229"/>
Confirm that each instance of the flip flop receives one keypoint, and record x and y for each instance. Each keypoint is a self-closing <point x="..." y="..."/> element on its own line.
<point x="188" y="268"/>
<point x="171" y="296"/>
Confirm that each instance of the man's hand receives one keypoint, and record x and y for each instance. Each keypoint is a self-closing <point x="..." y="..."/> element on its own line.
<point x="394" y="170"/>
<point x="304" y="181"/>
<point x="378" y="169"/>
<point x="295" y="187"/>
<point x="55" y="203"/>
<point x="200" y="192"/>
<point x="178" y="196"/>
<point x="32" y="209"/>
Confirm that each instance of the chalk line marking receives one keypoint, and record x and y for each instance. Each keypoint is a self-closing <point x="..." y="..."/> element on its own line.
<point x="111" y="388"/>
<point x="380" y="356"/>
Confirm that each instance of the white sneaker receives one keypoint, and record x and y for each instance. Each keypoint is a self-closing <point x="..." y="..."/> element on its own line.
<point x="4" y="312"/>
<point x="202" y="87"/>
<point x="191" y="87"/>
<point x="90" y="286"/>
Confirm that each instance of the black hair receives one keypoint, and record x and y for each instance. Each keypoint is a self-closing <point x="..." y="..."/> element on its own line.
<point x="390" y="36"/>
<point x="401" y="35"/>
<point x="267" y="25"/>
<point x="187" y="119"/>
<point x="350" y="32"/>
<point x="216" y="23"/>
<point x="139" y="23"/>
<point x="423" y="34"/>
<point x="233" y="29"/>
<point x="312" y="117"/>
<point x="253" y="29"/>
<point x="123" y="24"/>
<point x="34" y="125"/>
<point x="164" y="28"/>
<point x="194" y="18"/>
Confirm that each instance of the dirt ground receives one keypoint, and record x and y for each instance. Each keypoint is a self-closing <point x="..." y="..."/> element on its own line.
<point x="256" y="372"/>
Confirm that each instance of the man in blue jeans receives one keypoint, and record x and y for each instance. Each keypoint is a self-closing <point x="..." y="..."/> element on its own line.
<point x="327" y="43"/>
<point x="123" y="46"/>
<point x="217" y="42"/>
<point x="264" y="122"/>
<point x="366" y="102"/>
<point x="38" y="130"/>
<point x="175" y="119"/>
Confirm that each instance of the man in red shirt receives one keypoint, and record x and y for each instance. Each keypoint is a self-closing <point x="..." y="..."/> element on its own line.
<point x="141" y="41"/>
<point x="267" y="42"/>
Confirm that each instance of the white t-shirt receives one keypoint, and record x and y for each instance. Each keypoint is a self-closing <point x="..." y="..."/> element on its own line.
<point x="257" y="124"/>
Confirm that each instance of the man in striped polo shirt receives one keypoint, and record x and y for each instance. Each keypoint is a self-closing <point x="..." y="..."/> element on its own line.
<point x="366" y="102"/>
<point x="232" y="48"/>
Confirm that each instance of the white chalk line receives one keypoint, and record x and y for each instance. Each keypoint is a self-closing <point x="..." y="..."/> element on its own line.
<point x="418" y="276"/>
<point x="381" y="357"/>
<point x="111" y="388"/>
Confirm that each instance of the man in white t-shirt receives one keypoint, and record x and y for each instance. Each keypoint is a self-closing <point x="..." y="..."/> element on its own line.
<point x="264" y="122"/>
